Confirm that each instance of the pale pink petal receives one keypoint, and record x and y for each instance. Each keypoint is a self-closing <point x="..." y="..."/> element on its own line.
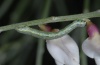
<point x="87" y="48"/>
<point x="64" y="50"/>
<point x="59" y="63"/>
<point x="91" y="46"/>
<point x="97" y="59"/>
<point x="72" y="47"/>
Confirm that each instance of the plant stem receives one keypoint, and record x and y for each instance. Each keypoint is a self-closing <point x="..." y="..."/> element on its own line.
<point x="83" y="33"/>
<point x="86" y="6"/>
<point x="51" y="20"/>
<point x="41" y="43"/>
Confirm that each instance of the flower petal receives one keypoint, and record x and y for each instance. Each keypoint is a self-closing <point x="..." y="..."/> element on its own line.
<point x="71" y="45"/>
<point x="64" y="50"/>
<point x="87" y="48"/>
<point x="59" y="63"/>
<point x="97" y="59"/>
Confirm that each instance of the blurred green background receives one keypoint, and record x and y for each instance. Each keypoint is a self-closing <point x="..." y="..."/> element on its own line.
<point x="20" y="49"/>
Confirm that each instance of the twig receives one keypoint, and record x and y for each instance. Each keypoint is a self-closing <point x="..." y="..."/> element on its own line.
<point x="51" y="20"/>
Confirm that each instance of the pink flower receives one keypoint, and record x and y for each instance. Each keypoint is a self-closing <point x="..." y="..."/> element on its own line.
<point x="91" y="46"/>
<point x="64" y="50"/>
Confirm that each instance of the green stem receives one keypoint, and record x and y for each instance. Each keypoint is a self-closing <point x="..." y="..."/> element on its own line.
<point x="41" y="43"/>
<point x="86" y="6"/>
<point x="51" y="20"/>
<point x="62" y="9"/>
<point x="83" y="33"/>
<point x="83" y="56"/>
<point x="46" y="9"/>
<point x="40" y="52"/>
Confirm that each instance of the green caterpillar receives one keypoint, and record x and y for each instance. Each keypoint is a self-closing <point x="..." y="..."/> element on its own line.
<point x="52" y="35"/>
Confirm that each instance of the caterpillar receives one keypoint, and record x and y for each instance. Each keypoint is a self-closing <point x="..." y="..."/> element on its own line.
<point x="52" y="35"/>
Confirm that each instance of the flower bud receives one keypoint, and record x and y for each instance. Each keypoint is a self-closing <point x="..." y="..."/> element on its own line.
<point x="92" y="29"/>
